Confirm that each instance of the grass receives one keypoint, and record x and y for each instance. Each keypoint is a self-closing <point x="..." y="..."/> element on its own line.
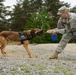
<point x="21" y="65"/>
<point x="13" y="52"/>
<point x="26" y="70"/>
<point x="62" y="69"/>
<point x="56" y="70"/>
<point x="2" y="74"/>
<point x="41" y="67"/>
<point x="31" y="67"/>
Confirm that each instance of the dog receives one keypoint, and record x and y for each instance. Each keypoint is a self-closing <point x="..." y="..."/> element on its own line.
<point x="24" y="37"/>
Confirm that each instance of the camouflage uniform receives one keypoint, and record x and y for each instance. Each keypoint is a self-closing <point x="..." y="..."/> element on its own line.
<point x="68" y="28"/>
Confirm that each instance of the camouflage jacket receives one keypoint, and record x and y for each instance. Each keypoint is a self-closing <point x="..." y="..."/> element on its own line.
<point x="67" y="25"/>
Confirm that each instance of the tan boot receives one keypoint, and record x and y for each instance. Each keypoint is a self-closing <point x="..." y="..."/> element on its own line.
<point x="54" y="56"/>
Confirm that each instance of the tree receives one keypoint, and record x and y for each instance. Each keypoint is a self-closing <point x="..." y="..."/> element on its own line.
<point x="53" y="5"/>
<point x="36" y="5"/>
<point x="3" y="16"/>
<point x="23" y="11"/>
<point x="43" y="21"/>
<point x="16" y="18"/>
<point x="73" y="9"/>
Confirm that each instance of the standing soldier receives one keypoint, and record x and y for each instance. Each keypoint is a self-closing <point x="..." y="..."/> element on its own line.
<point x="67" y="26"/>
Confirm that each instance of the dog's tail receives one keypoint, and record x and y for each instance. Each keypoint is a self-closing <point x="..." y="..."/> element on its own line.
<point x="0" y="34"/>
<point x="3" y="42"/>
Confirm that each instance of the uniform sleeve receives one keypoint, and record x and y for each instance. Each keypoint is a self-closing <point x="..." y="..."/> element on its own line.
<point x="60" y="24"/>
<point x="61" y="31"/>
<point x="73" y="24"/>
<point x="60" y="28"/>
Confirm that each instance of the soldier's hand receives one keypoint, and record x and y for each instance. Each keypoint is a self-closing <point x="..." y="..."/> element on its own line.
<point x="51" y="31"/>
<point x="54" y="32"/>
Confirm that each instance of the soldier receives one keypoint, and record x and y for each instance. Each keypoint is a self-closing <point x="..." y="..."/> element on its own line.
<point x="67" y="26"/>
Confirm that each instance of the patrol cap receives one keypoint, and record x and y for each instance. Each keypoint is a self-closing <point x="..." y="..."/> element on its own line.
<point x="61" y="9"/>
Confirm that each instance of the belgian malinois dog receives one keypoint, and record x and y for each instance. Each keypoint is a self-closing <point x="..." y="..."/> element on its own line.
<point x="24" y="37"/>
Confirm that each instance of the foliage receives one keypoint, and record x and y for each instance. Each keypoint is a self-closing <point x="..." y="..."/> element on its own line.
<point x="28" y="14"/>
<point x="4" y="25"/>
<point x="16" y="18"/>
<point x="73" y="9"/>
<point x="41" y="20"/>
<point x="53" y="5"/>
<point x="24" y="9"/>
<point x="22" y="12"/>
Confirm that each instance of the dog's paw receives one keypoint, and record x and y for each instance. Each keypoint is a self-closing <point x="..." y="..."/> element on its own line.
<point x="32" y="56"/>
<point x="5" y="53"/>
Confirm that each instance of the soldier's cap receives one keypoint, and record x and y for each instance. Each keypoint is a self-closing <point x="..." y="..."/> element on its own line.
<point x="61" y="9"/>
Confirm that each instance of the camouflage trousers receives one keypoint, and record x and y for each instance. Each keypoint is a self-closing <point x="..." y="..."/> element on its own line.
<point x="62" y="44"/>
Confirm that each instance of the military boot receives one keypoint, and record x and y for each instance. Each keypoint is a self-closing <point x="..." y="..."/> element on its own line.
<point x="54" y="56"/>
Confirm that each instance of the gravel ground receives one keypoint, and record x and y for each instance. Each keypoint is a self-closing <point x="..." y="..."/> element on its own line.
<point x="17" y="62"/>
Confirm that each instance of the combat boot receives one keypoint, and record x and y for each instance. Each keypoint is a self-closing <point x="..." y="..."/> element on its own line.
<point x="54" y="56"/>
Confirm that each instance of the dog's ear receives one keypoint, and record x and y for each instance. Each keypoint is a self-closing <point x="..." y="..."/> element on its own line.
<point x="32" y="31"/>
<point x="37" y="30"/>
